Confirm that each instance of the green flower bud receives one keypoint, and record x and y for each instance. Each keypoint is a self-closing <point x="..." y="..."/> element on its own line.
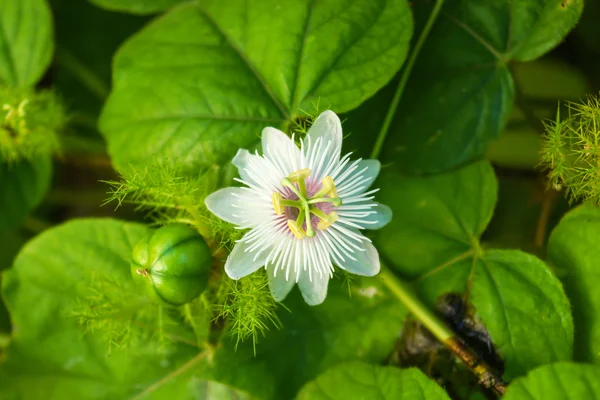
<point x="172" y="265"/>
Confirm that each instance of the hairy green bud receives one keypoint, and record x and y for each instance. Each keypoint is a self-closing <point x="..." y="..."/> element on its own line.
<point x="29" y="123"/>
<point x="571" y="151"/>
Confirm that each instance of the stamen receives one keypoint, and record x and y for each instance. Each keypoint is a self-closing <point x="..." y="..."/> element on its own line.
<point x="288" y="183"/>
<point x="327" y="185"/>
<point x="336" y="201"/>
<point x="291" y="203"/>
<point x="302" y="174"/>
<point x="276" y="199"/>
<point x="328" y="182"/>
<point x="297" y="231"/>
<point x="325" y="223"/>
<point x="300" y="219"/>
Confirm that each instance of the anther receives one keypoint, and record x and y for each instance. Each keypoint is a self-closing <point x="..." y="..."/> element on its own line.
<point x="330" y="186"/>
<point x="276" y="199"/>
<point x="300" y="174"/>
<point x="295" y="229"/>
<point x="325" y="223"/>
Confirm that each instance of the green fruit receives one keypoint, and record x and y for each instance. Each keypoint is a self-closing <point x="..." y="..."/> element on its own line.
<point x="172" y="264"/>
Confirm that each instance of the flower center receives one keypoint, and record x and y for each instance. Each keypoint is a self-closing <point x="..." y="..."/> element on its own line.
<point x="305" y="207"/>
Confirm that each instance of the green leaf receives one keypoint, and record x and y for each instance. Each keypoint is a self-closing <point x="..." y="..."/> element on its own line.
<point x="52" y="357"/>
<point x="437" y="217"/>
<point x="515" y="220"/>
<point x="26" y="41"/>
<point x="461" y="92"/>
<point x="560" y="381"/>
<point x="362" y="324"/>
<point x="11" y="241"/>
<point x="573" y="249"/>
<point x="434" y="241"/>
<point x="24" y="185"/>
<point x="518" y="299"/>
<point x="137" y="6"/>
<point x="534" y="27"/>
<point x="211" y="390"/>
<point x="48" y="347"/>
<point x="363" y="381"/>
<point x="203" y="80"/>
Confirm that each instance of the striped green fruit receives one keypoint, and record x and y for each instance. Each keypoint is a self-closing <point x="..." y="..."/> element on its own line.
<point x="171" y="265"/>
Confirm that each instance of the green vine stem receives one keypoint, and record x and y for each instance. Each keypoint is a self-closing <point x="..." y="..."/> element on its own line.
<point x="487" y="377"/>
<point x="404" y="79"/>
<point x="485" y="374"/>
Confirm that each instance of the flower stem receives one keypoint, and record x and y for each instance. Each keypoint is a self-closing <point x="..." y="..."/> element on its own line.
<point x="415" y="306"/>
<point x="487" y="377"/>
<point x="404" y="78"/>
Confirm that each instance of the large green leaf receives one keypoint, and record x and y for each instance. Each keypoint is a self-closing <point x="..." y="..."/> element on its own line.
<point x="435" y="218"/>
<point x="211" y="390"/>
<point x="23" y="186"/>
<point x="362" y="324"/>
<point x="460" y="92"/>
<point x="203" y="80"/>
<point x="26" y="41"/>
<point x="137" y="6"/>
<point x="573" y="249"/>
<point x="51" y="357"/>
<point x="518" y="299"/>
<point x="434" y="240"/>
<point x="55" y="279"/>
<point x="360" y="381"/>
<point x="560" y="381"/>
<point x="48" y="347"/>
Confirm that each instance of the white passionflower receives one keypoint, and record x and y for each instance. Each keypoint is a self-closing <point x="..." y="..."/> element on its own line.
<point x="305" y="208"/>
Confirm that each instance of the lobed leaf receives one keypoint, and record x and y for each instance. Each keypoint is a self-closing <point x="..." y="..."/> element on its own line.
<point x="137" y="6"/>
<point x="364" y="381"/>
<point x="24" y="185"/>
<point x="202" y="81"/>
<point x="573" y="250"/>
<point x="26" y="41"/>
<point x="51" y="357"/>
<point x="434" y="240"/>
<point x="460" y="93"/>
<point x="561" y="381"/>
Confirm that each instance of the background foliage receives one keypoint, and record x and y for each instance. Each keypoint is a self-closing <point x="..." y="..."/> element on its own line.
<point x="156" y="96"/>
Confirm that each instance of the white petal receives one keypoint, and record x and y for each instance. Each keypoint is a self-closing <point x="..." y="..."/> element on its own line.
<point x="328" y="127"/>
<point x="242" y="161"/>
<point x="380" y="219"/>
<point x="280" y="287"/>
<point x="281" y="150"/>
<point x="373" y="168"/>
<point x="360" y="179"/>
<point x="314" y="292"/>
<point x="241" y="262"/>
<point x="222" y="204"/>
<point x="367" y="262"/>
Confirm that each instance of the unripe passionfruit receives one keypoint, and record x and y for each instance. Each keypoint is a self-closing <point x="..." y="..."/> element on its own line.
<point x="171" y="264"/>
